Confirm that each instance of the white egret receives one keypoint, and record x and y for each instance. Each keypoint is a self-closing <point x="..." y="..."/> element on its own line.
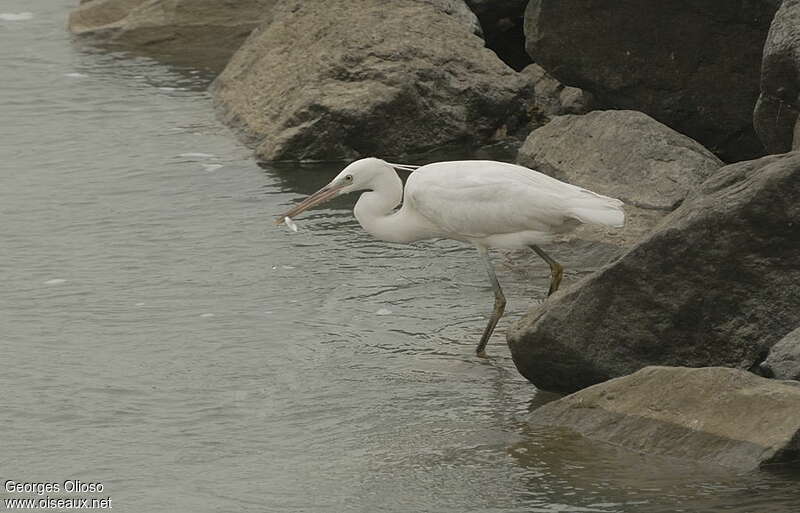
<point x="485" y="203"/>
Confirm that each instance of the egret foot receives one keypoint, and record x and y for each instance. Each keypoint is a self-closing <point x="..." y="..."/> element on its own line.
<point x="556" y="269"/>
<point x="556" y="273"/>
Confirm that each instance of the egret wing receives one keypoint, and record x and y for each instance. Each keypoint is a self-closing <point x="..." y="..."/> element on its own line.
<point x="476" y="199"/>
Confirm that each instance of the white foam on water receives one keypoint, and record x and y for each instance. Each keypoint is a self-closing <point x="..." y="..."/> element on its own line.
<point x="55" y="281"/>
<point x="211" y="167"/>
<point x="16" y="16"/>
<point x="75" y="75"/>
<point x="207" y="315"/>
<point x="383" y="311"/>
<point x="139" y="304"/>
<point x="169" y="88"/>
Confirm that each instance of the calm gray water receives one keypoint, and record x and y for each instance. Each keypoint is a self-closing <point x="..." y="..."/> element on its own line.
<point x="160" y="336"/>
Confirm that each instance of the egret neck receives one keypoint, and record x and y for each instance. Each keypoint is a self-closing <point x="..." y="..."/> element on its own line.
<point x="375" y="212"/>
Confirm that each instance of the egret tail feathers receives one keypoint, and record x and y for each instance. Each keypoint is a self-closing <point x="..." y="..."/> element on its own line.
<point x="598" y="209"/>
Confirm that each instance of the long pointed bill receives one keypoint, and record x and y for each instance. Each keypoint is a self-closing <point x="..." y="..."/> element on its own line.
<point x="318" y="197"/>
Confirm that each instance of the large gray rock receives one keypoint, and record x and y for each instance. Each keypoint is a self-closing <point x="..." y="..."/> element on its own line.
<point x="690" y="64"/>
<point x="348" y="78"/>
<point x="715" y="284"/>
<point x="204" y="33"/>
<point x="778" y="105"/>
<point x="783" y="360"/>
<point x="712" y="415"/>
<point x="623" y="154"/>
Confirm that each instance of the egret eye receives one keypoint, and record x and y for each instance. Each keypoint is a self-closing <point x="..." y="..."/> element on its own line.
<point x="348" y="178"/>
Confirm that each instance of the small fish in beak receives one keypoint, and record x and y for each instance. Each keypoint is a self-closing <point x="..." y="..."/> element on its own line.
<point x="291" y="224"/>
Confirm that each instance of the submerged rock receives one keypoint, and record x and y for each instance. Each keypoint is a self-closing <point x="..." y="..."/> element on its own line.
<point x="623" y="154"/>
<point x="343" y="79"/>
<point x="691" y="65"/>
<point x="203" y="33"/>
<point x="776" y="112"/>
<point x="712" y="415"/>
<point x="783" y="360"/>
<point x="716" y="284"/>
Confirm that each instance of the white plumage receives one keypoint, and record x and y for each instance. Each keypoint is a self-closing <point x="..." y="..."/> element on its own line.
<point x="482" y="202"/>
<point x="503" y="205"/>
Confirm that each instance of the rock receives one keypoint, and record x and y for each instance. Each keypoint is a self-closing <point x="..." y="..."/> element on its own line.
<point x="783" y="360"/>
<point x="345" y="79"/>
<point x="691" y="65"/>
<point x="711" y="415"/>
<point x="502" y="22"/>
<point x="460" y="11"/>
<point x="620" y="153"/>
<point x="715" y="284"/>
<point x="778" y="105"/>
<point x="550" y="98"/>
<point x="204" y="33"/>
<point x="93" y="14"/>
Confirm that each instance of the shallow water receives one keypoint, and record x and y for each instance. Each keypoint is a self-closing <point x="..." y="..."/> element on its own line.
<point x="159" y="335"/>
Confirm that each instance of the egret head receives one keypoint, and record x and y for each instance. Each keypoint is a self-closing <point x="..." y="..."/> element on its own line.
<point x="360" y="175"/>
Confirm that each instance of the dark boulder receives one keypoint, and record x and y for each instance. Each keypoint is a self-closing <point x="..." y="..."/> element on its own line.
<point x="716" y="284"/>
<point x="693" y="65"/>
<point x="711" y="415"/>
<point x="775" y="115"/>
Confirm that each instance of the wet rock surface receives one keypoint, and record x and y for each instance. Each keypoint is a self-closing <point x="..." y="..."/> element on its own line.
<point x="713" y="415"/>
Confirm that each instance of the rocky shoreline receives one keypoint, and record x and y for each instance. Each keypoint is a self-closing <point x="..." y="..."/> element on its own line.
<point x="648" y="108"/>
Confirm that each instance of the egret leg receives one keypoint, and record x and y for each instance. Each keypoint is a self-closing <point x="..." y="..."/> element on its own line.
<point x="556" y="269"/>
<point x="499" y="303"/>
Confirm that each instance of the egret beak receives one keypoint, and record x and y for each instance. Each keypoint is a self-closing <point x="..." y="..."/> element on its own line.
<point x="321" y="196"/>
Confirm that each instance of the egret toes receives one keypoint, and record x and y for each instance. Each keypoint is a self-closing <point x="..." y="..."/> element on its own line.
<point x="556" y="269"/>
